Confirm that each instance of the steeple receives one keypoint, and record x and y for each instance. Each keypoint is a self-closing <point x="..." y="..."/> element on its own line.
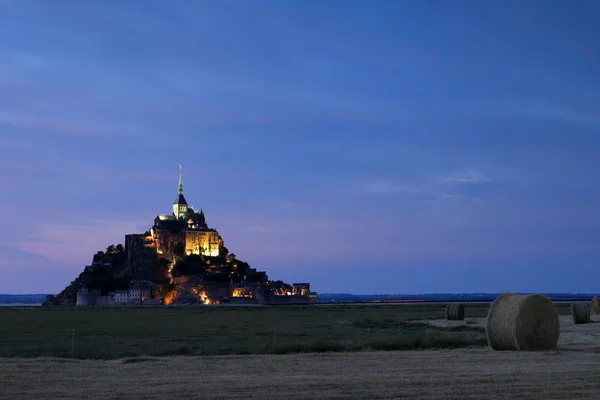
<point x="180" y="206"/>
<point x="202" y="220"/>
<point x="180" y="191"/>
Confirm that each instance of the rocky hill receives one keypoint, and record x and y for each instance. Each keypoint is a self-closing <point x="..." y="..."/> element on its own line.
<point x="190" y="279"/>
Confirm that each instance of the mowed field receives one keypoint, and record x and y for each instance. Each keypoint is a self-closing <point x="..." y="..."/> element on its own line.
<point x="295" y="352"/>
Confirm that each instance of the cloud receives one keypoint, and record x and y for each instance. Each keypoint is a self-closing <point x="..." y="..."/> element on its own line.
<point x="24" y="167"/>
<point x="11" y="256"/>
<point x="78" y="242"/>
<point x="457" y="196"/>
<point x="58" y="127"/>
<point x="427" y="186"/>
<point x="467" y="176"/>
<point x="449" y="193"/>
<point x="384" y="186"/>
<point x="27" y="272"/>
<point x="87" y="174"/>
<point x="276" y="204"/>
<point x="577" y="114"/>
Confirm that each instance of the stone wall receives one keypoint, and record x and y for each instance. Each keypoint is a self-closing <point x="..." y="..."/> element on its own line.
<point x="141" y="256"/>
<point x="242" y="300"/>
<point x="202" y="242"/>
<point x="87" y="299"/>
<point x="165" y="242"/>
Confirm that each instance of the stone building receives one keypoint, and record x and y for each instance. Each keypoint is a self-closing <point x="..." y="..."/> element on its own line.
<point x="302" y="289"/>
<point x="121" y="297"/>
<point x="244" y="289"/>
<point x="139" y="291"/>
<point x="185" y="230"/>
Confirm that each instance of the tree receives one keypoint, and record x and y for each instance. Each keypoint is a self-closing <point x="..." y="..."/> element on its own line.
<point x="242" y="267"/>
<point x="161" y="290"/>
<point x="111" y="249"/>
<point x="161" y="273"/>
<point x="224" y="251"/>
<point x="163" y="263"/>
<point x="120" y="283"/>
<point x="119" y="248"/>
<point x="96" y="280"/>
<point x="190" y="265"/>
<point x="98" y="257"/>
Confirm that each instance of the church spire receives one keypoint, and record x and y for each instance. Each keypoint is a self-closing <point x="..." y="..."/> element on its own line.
<point x="202" y="220"/>
<point x="180" y="191"/>
<point x="180" y="206"/>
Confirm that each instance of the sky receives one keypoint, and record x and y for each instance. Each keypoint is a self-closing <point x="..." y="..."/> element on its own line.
<point x="365" y="147"/>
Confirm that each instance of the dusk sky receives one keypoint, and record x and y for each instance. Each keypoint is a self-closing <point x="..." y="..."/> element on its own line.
<point x="361" y="146"/>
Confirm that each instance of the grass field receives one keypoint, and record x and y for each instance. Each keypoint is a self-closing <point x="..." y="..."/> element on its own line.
<point x="123" y="349"/>
<point x="108" y="333"/>
<point x="428" y="374"/>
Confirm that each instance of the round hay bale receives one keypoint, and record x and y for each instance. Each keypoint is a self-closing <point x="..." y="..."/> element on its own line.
<point x="522" y="322"/>
<point x="596" y="305"/>
<point x="580" y="313"/>
<point x="455" y="312"/>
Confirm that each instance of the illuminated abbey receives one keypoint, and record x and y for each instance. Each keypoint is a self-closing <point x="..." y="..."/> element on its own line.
<point x="179" y="260"/>
<point x="184" y="230"/>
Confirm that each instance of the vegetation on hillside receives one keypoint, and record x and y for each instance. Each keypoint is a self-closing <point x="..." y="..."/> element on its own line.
<point x="106" y="273"/>
<point x="218" y="269"/>
<point x="109" y="272"/>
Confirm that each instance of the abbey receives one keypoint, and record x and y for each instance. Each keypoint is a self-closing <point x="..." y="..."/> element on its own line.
<point x="185" y="230"/>
<point x="179" y="260"/>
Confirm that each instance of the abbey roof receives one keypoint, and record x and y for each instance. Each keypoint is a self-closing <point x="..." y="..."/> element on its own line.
<point x="180" y="199"/>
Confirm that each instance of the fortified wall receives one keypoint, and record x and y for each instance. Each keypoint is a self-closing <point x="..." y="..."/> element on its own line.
<point x="280" y="293"/>
<point x="268" y="298"/>
<point x="87" y="297"/>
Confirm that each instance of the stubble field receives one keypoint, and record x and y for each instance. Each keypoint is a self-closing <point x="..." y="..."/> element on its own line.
<point x="133" y="353"/>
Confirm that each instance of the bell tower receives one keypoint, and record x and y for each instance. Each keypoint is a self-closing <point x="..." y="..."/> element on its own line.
<point x="180" y="206"/>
